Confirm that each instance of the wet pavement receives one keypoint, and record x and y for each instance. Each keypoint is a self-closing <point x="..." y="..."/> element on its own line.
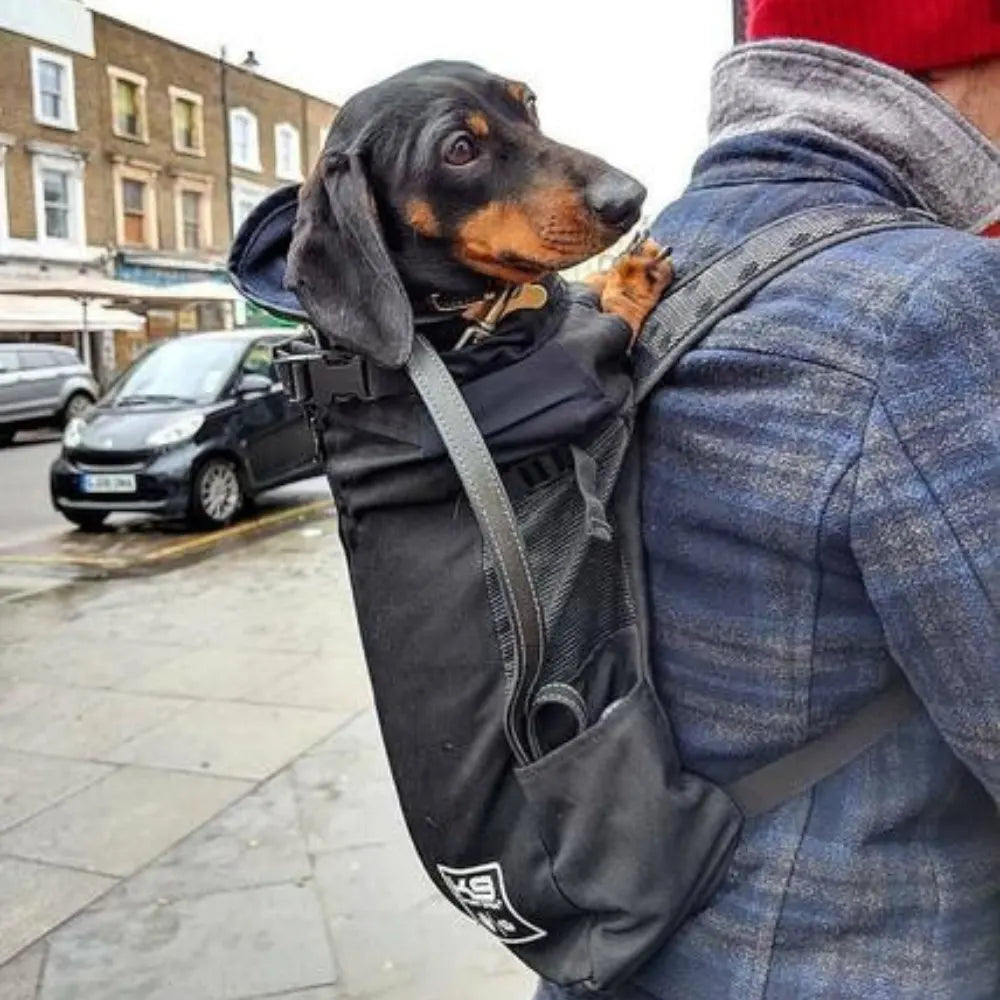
<point x="194" y="802"/>
<point x="40" y="550"/>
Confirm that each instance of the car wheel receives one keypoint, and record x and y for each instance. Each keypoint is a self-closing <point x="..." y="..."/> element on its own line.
<point x="76" y="406"/>
<point x="216" y="493"/>
<point x="6" y="436"/>
<point x="86" y="520"/>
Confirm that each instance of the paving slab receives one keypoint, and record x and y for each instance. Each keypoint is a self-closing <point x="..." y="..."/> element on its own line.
<point x="30" y="783"/>
<point x="256" y="841"/>
<point x="203" y="673"/>
<point x="82" y="722"/>
<point x="20" y="977"/>
<point x="319" y="993"/>
<point x="51" y="659"/>
<point x="123" y="821"/>
<point x="222" y="946"/>
<point x="334" y="682"/>
<point x="435" y="954"/>
<point x="228" y="738"/>
<point x="37" y="898"/>
<point x="347" y="801"/>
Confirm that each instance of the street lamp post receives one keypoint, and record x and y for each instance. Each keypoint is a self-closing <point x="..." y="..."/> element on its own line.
<point x="223" y="81"/>
<point x="250" y="64"/>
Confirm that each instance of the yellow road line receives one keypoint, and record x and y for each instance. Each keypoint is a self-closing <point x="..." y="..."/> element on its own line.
<point x="210" y="538"/>
<point x="61" y="560"/>
<point x="177" y="548"/>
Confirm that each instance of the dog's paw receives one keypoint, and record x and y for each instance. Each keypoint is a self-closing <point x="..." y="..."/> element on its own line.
<point x="637" y="280"/>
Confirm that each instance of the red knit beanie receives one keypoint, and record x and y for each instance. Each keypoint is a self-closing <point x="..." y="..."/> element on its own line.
<point x="912" y="35"/>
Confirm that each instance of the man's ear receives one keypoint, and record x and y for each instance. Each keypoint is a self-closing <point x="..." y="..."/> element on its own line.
<point x="340" y="269"/>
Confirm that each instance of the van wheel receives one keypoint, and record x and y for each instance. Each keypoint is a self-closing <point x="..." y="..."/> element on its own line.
<point x="76" y="406"/>
<point x="216" y="493"/>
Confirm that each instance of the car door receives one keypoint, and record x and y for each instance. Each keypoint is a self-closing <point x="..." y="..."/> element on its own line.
<point x="40" y="380"/>
<point x="272" y="428"/>
<point x="13" y="392"/>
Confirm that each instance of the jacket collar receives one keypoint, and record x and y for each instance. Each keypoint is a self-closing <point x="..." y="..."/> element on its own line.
<point x="947" y="166"/>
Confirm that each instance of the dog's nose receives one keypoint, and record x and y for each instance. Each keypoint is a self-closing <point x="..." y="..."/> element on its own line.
<point x="616" y="199"/>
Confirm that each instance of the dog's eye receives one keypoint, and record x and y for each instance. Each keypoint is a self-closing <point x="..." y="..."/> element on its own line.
<point x="460" y="150"/>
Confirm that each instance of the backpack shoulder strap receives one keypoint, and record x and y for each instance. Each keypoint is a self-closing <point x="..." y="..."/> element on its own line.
<point x="694" y="305"/>
<point x="493" y="511"/>
<point x="688" y="313"/>
<point x="767" y="787"/>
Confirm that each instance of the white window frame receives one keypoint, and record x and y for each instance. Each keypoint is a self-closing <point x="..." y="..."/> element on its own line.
<point x="6" y="141"/>
<point x="288" y="171"/>
<point x="68" y="119"/>
<point x="179" y="94"/>
<point x="252" y="161"/>
<point x="246" y="191"/>
<point x="73" y="167"/>
<point x="115" y="74"/>
<point x="202" y="186"/>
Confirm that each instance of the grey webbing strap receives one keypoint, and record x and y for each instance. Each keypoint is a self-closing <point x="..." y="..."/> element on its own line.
<point x="693" y="306"/>
<point x="689" y="312"/>
<point x="492" y="509"/>
<point x="796" y="772"/>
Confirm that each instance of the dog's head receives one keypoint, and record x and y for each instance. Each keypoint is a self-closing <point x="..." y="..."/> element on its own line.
<point x="438" y="181"/>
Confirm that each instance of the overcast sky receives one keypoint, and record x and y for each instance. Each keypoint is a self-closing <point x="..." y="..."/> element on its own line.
<point x="628" y="81"/>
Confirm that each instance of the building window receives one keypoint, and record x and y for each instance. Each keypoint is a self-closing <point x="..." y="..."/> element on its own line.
<point x="244" y="139"/>
<point x="55" y="197"/>
<point x="53" y="90"/>
<point x="128" y="104"/>
<point x="59" y="198"/>
<point x="191" y="219"/>
<point x="134" y="212"/>
<point x="287" y="153"/>
<point x="188" y="121"/>
<point x="127" y="108"/>
<point x="246" y="197"/>
<point x="193" y="211"/>
<point x="135" y="192"/>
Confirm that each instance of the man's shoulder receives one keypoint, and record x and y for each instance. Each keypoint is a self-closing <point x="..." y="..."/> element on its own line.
<point x="948" y="293"/>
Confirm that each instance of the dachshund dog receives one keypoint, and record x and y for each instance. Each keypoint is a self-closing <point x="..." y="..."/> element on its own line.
<point x="437" y="192"/>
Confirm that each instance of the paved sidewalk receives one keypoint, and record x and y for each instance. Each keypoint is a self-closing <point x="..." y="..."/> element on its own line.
<point x="194" y="803"/>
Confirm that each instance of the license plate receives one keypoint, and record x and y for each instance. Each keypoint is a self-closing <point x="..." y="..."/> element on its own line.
<point x="117" y="482"/>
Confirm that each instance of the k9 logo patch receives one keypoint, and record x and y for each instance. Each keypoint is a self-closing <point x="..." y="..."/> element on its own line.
<point x="481" y="892"/>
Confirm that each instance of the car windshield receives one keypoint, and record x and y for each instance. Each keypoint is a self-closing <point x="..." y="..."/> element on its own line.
<point x="188" y="370"/>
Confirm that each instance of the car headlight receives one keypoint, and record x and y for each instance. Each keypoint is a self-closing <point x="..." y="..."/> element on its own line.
<point x="176" y="431"/>
<point x="73" y="433"/>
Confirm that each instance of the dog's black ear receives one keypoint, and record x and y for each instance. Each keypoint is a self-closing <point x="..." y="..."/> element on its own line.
<point x="340" y="269"/>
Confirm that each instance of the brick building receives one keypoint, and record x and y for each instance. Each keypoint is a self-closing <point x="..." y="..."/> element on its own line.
<point x="113" y="146"/>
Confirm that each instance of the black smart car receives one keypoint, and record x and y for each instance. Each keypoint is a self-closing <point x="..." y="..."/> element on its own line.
<point x="193" y="429"/>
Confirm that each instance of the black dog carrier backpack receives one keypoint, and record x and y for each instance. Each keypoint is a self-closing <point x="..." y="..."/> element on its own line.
<point x="488" y="506"/>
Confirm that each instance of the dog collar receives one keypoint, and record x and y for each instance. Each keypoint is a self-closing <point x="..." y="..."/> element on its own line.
<point x="485" y="312"/>
<point x="485" y="316"/>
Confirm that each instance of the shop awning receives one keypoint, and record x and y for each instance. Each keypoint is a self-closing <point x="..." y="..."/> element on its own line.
<point x="52" y="314"/>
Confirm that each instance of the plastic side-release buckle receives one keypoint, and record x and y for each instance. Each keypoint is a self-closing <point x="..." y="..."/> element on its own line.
<point x="314" y="377"/>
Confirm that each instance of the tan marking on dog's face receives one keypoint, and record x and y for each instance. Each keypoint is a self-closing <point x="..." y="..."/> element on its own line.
<point x="547" y="231"/>
<point x="478" y="125"/>
<point x="518" y="91"/>
<point x="421" y="216"/>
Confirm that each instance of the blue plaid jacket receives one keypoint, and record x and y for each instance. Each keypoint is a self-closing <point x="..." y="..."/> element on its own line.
<point x="822" y="510"/>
